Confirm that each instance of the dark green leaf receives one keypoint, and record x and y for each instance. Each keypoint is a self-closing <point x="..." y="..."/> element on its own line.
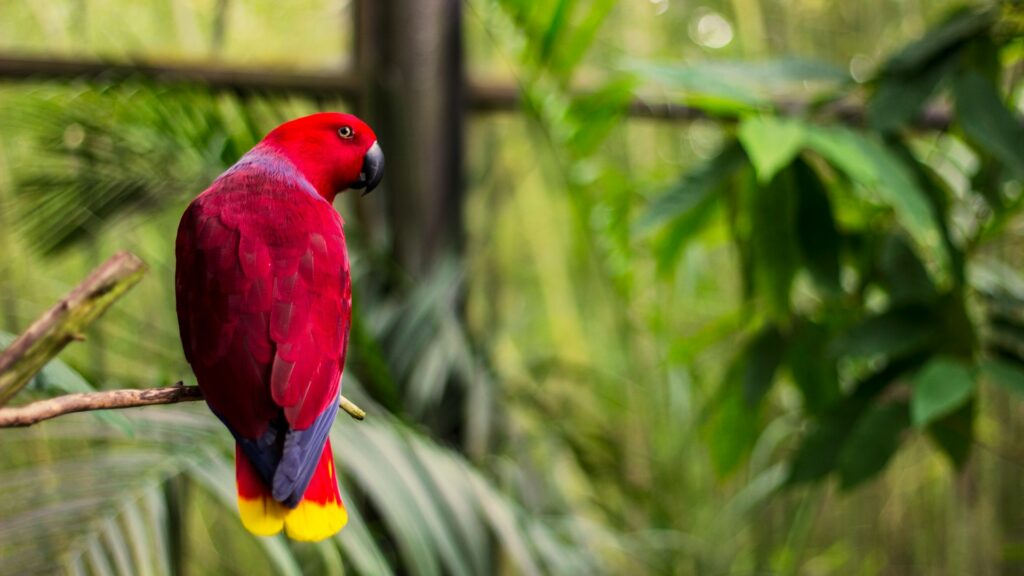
<point x="872" y="442"/>
<point x="893" y="333"/>
<point x="899" y="98"/>
<point x="813" y="371"/>
<point x="987" y="121"/>
<point x="816" y="230"/>
<point x="693" y="188"/>
<point x="819" y="451"/>
<point x="761" y="359"/>
<point x="902" y="274"/>
<point x="954" y="433"/>
<point x="939" y="195"/>
<point x="1004" y="374"/>
<point x="981" y="55"/>
<point x="940" y="387"/>
<point x="939" y="41"/>
<point x="988" y="181"/>
<point x="773" y="242"/>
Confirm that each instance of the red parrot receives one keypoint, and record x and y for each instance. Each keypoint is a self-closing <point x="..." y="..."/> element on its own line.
<point x="264" y="302"/>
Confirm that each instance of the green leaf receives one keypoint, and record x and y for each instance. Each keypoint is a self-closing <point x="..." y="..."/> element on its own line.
<point x="940" y="40"/>
<point x="900" y="97"/>
<point x="954" y="433"/>
<point x="826" y="445"/>
<point x="813" y="370"/>
<point x="775" y="257"/>
<point x="817" y="234"/>
<point x="739" y="85"/>
<point x="872" y="442"/>
<point x="595" y="114"/>
<point x="702" y="85"/>
<point x="902" y="274"/>
<point x="874" y="167"/>
<point x="818" y="453"/>
<point x="771" y="143"/>
<point x="940" y="387"/>
<point x="761" y="359"/>
<point x="731" y="427"/>
<point x="1004" y="374"/>
<point x="894" y="333"/>
<point x="692" y="189"/>
<point x="987" y="121"/>
<point x="680" y="231"/>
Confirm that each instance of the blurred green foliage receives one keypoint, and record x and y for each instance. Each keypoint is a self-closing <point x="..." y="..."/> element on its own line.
<point x="770" y="340"/>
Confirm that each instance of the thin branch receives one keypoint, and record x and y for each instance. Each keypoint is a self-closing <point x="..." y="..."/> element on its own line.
<point x="35" y="412"/>
<point x="66" y="321"/>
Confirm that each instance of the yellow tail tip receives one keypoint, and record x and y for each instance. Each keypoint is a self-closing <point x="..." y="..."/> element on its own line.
<point x="263" y="516"/>
<point x="311" y="521"/>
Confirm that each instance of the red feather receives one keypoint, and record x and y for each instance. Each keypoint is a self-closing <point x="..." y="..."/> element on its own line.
<point x="264" y="303"/>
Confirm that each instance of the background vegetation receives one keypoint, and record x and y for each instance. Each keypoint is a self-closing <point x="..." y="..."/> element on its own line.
<point x="786" y="336"/>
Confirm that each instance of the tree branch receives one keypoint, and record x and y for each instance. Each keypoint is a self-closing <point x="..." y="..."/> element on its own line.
<point x="480" y="97"/>
<point x="35" y="412"/>
<point x="66" y="321"/>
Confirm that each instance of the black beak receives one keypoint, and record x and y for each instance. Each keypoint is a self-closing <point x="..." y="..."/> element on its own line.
<point x="373" y="169"/>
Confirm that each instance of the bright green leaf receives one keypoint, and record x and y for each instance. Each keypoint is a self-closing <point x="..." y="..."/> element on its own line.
<point x="771" y="143"/>
<point x="940" y="387"/>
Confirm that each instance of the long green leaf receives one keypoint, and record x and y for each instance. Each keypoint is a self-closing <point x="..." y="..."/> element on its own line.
<point x="871" y="165"/>
<point x="937" y="42"/>
<point x="940" y="387"/>
<point x="987" y="121"/>
<point x="693" y="189"/>
<point x="872" y="442"/>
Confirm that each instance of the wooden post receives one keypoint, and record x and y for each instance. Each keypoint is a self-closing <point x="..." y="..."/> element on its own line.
<point x="409" y="61"/>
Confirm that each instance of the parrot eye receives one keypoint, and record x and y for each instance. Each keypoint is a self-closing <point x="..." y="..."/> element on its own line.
<point x="346" y="132"/>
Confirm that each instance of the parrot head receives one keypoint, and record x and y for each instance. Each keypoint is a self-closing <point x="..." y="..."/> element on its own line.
<point x="333" y="151"/>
